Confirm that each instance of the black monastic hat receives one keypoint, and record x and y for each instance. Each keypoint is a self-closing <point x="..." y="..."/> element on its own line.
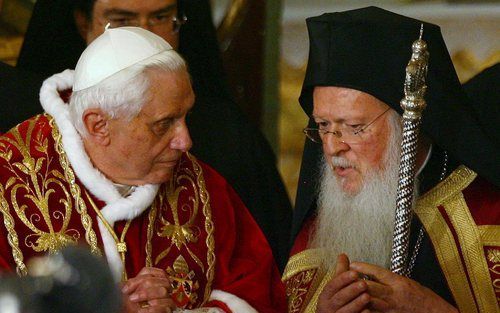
<point x="368" y="49"/>
<point x="484" y="92"/>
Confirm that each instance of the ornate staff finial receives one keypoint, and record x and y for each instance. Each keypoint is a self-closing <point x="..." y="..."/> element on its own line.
<point x="413" y="104"/>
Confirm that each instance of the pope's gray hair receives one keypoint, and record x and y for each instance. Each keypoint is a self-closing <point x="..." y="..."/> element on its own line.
<point x="123" y="94"/>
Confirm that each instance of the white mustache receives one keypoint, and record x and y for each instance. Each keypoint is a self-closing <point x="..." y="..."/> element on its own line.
<point x="341" y="162"/>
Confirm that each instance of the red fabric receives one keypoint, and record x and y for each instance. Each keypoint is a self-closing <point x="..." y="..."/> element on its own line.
<point x="244" y="265"/>
<point x="65" y="95"/>
<point x="460" y="251"/>
<point x="220" y="305"/>
<point x="483" y="200"/>
<point x="494" y="275"/>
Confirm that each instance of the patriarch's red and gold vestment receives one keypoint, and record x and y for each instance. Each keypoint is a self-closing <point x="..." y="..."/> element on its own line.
<point x="461" y="215"/>
<point x="194" y="227"/>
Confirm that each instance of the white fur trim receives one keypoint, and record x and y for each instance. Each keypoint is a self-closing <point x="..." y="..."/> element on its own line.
<point x="117" y="208"/>
<point x="237" y="305"/>
<point x="114" y="259"/>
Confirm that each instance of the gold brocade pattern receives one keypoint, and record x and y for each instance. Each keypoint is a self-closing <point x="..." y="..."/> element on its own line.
<point x="304" y="278"/>
<point x="494" y="255"/>
<point x="449" y="196"/>
<point x="296" y="290"/>
<point x="37" y="190"/>
<point x="490" y="235"/>
<point x="209" y="227"/>
<point x="34" y="182"/>
<point x="81" y="208"/>
<point x="151" y="222"/>
<point x="12" y="237"/>
<point x="183" y="284"/>
<point x="182" y="235"/>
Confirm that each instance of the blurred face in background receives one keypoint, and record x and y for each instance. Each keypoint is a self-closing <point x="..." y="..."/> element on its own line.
<point x="157" y="16"/>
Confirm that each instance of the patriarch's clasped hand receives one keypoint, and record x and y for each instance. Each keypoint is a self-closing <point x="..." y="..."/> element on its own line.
<point x="363" y="287"/>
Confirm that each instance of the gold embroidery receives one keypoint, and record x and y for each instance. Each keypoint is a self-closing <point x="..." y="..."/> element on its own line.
<point x="448" y="194"/>
<point x="81" y="208"/>
<point x="468" y="236"/>
<point x="36" y="189"/>
<point x="151" y="223"/>
<point x="209" y="227"/>
<point x="296" y="289"/>
<point x="12" y="237"/>
<point x="494" y="256"/>
<point x="445" y="247"/>
<point x="307" y="262"/>
<point x="496" y="269"/>
<point x="490" y="235"/>
<point x="496" y="285"/>
<point x="183" y="235"/>
<point x="121" y="246"/>
<point x="183" y="285"/>
<point x="180" y="235"/>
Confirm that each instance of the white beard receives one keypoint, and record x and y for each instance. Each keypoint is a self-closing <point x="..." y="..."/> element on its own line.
<point x="359" y="225"/>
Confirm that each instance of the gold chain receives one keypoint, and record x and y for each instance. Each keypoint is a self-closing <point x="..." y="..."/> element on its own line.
<point x="121" y="245"/>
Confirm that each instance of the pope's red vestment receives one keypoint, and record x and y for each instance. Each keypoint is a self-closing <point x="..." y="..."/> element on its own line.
<point x="461" y="215"/>
<point x="194" y="227"/>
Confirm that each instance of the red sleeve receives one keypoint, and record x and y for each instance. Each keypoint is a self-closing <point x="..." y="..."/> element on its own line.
<point x="483" y="200"/>
<point x="245" y="266"/>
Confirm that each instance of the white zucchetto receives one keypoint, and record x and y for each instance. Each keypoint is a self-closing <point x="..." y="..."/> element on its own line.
<point x="115" y="50"/>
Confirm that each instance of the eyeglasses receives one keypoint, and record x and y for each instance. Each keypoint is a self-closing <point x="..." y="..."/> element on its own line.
<point x="347" y="134"/>
<point x="160" y="19"/>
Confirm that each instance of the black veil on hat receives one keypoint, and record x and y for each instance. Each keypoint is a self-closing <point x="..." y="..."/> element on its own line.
<point x="18" y="93"/>
<point x="368" y="49"/>
<point x="484" y="92"/>
<point x="222" y="135"/>
<point x="52" y="42"/>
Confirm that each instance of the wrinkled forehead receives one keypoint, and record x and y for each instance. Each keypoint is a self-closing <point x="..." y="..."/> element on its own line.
<point x="327" y="98"/>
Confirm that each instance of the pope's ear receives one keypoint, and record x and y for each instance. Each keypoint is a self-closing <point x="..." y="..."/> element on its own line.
<point x="96" y="122"/>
